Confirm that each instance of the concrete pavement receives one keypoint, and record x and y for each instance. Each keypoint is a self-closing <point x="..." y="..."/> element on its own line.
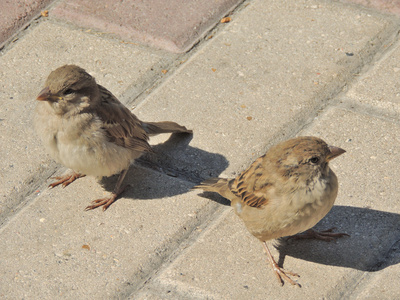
<point x="279" y="69"/>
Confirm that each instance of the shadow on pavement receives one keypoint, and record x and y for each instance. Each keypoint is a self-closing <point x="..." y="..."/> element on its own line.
<point x="372" y="241"/>
<point x="174" y="158"/>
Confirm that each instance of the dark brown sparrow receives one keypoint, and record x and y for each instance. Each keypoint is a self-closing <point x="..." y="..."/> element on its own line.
<point x="284" y="192"/>
<point x="84" y="127"/>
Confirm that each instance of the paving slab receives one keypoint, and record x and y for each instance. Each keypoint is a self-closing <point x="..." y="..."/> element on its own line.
<point x="227" y="262"/>
<point x="55" y="249"/>
<point x="15" y="14"/>
<point x="382" y="284"/>
<point x="23" y="70"/>
<point x="261" y="78"/>
<point x="257" y="80"/>
<point x="174" y="25"/>
<point x="388" y="6"/>
<point x="378" y="91"/>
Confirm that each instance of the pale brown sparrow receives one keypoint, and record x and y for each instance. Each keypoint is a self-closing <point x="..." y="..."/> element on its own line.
<point x="84" y="127"/>
<point x="284" y="192"/>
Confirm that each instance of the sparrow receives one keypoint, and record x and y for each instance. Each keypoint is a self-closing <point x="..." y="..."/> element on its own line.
<point x="284" y="192"/>
<point x="86" y="128"/>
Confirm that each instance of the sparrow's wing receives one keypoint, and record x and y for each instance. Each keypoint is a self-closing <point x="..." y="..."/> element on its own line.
<point x="123" y="127"/>
<point x="251" y="185"/>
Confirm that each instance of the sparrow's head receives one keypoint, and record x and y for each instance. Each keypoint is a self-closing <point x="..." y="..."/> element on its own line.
<point x="69" y="89"/>
<point x="304" y="157"/>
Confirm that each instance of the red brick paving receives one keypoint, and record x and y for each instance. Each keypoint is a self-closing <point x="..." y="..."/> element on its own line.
<point x="14" y="14"/>
<point x="173" y="25"/>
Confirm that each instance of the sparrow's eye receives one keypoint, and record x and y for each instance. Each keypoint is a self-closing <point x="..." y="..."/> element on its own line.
<point x="69" y="91"/>
<point x="314" y="159"/>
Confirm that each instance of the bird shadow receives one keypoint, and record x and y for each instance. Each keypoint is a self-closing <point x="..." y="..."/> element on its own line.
<point x="373" y="243"/>
<point x="173" y="158"/>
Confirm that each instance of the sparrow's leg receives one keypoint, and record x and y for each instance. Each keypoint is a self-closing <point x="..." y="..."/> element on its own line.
<point x="66" y="179"/>
<point x="280" y="273"/>
<point x="106" y="202"/>
<point x="326" y="235"/>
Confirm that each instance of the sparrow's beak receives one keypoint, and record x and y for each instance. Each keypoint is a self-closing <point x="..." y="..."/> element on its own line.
<point x="46" y="95"/>
<point x="334" y="152"/>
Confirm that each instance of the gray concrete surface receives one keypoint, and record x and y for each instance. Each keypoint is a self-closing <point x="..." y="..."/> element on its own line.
<point x="279" y="69"/>
<point x="265" y="84"/>
<point x="387" y="6"/>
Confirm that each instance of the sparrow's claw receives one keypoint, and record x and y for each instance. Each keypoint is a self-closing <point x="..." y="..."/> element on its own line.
<point x="105" y="202"/>
<point x="65" y="179"/>
<point x="326" y="235"/>
<point x="282" y="275"/>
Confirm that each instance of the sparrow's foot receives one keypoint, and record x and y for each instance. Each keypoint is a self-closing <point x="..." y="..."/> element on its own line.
<point x="326" y="235"/>
<point x="280" y="273"/>
<point x="283" y="275"/>
<point x="106" y="202"/>
<point x="65" y="179"/>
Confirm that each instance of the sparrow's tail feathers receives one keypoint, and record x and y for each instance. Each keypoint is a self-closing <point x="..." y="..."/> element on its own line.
<point x="216" y="185"/>
<point x="153" y="128"/>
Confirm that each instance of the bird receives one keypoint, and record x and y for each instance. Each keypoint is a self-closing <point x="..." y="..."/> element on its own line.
<point x="84" y="127"/>
<point x="284" y="192"/>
